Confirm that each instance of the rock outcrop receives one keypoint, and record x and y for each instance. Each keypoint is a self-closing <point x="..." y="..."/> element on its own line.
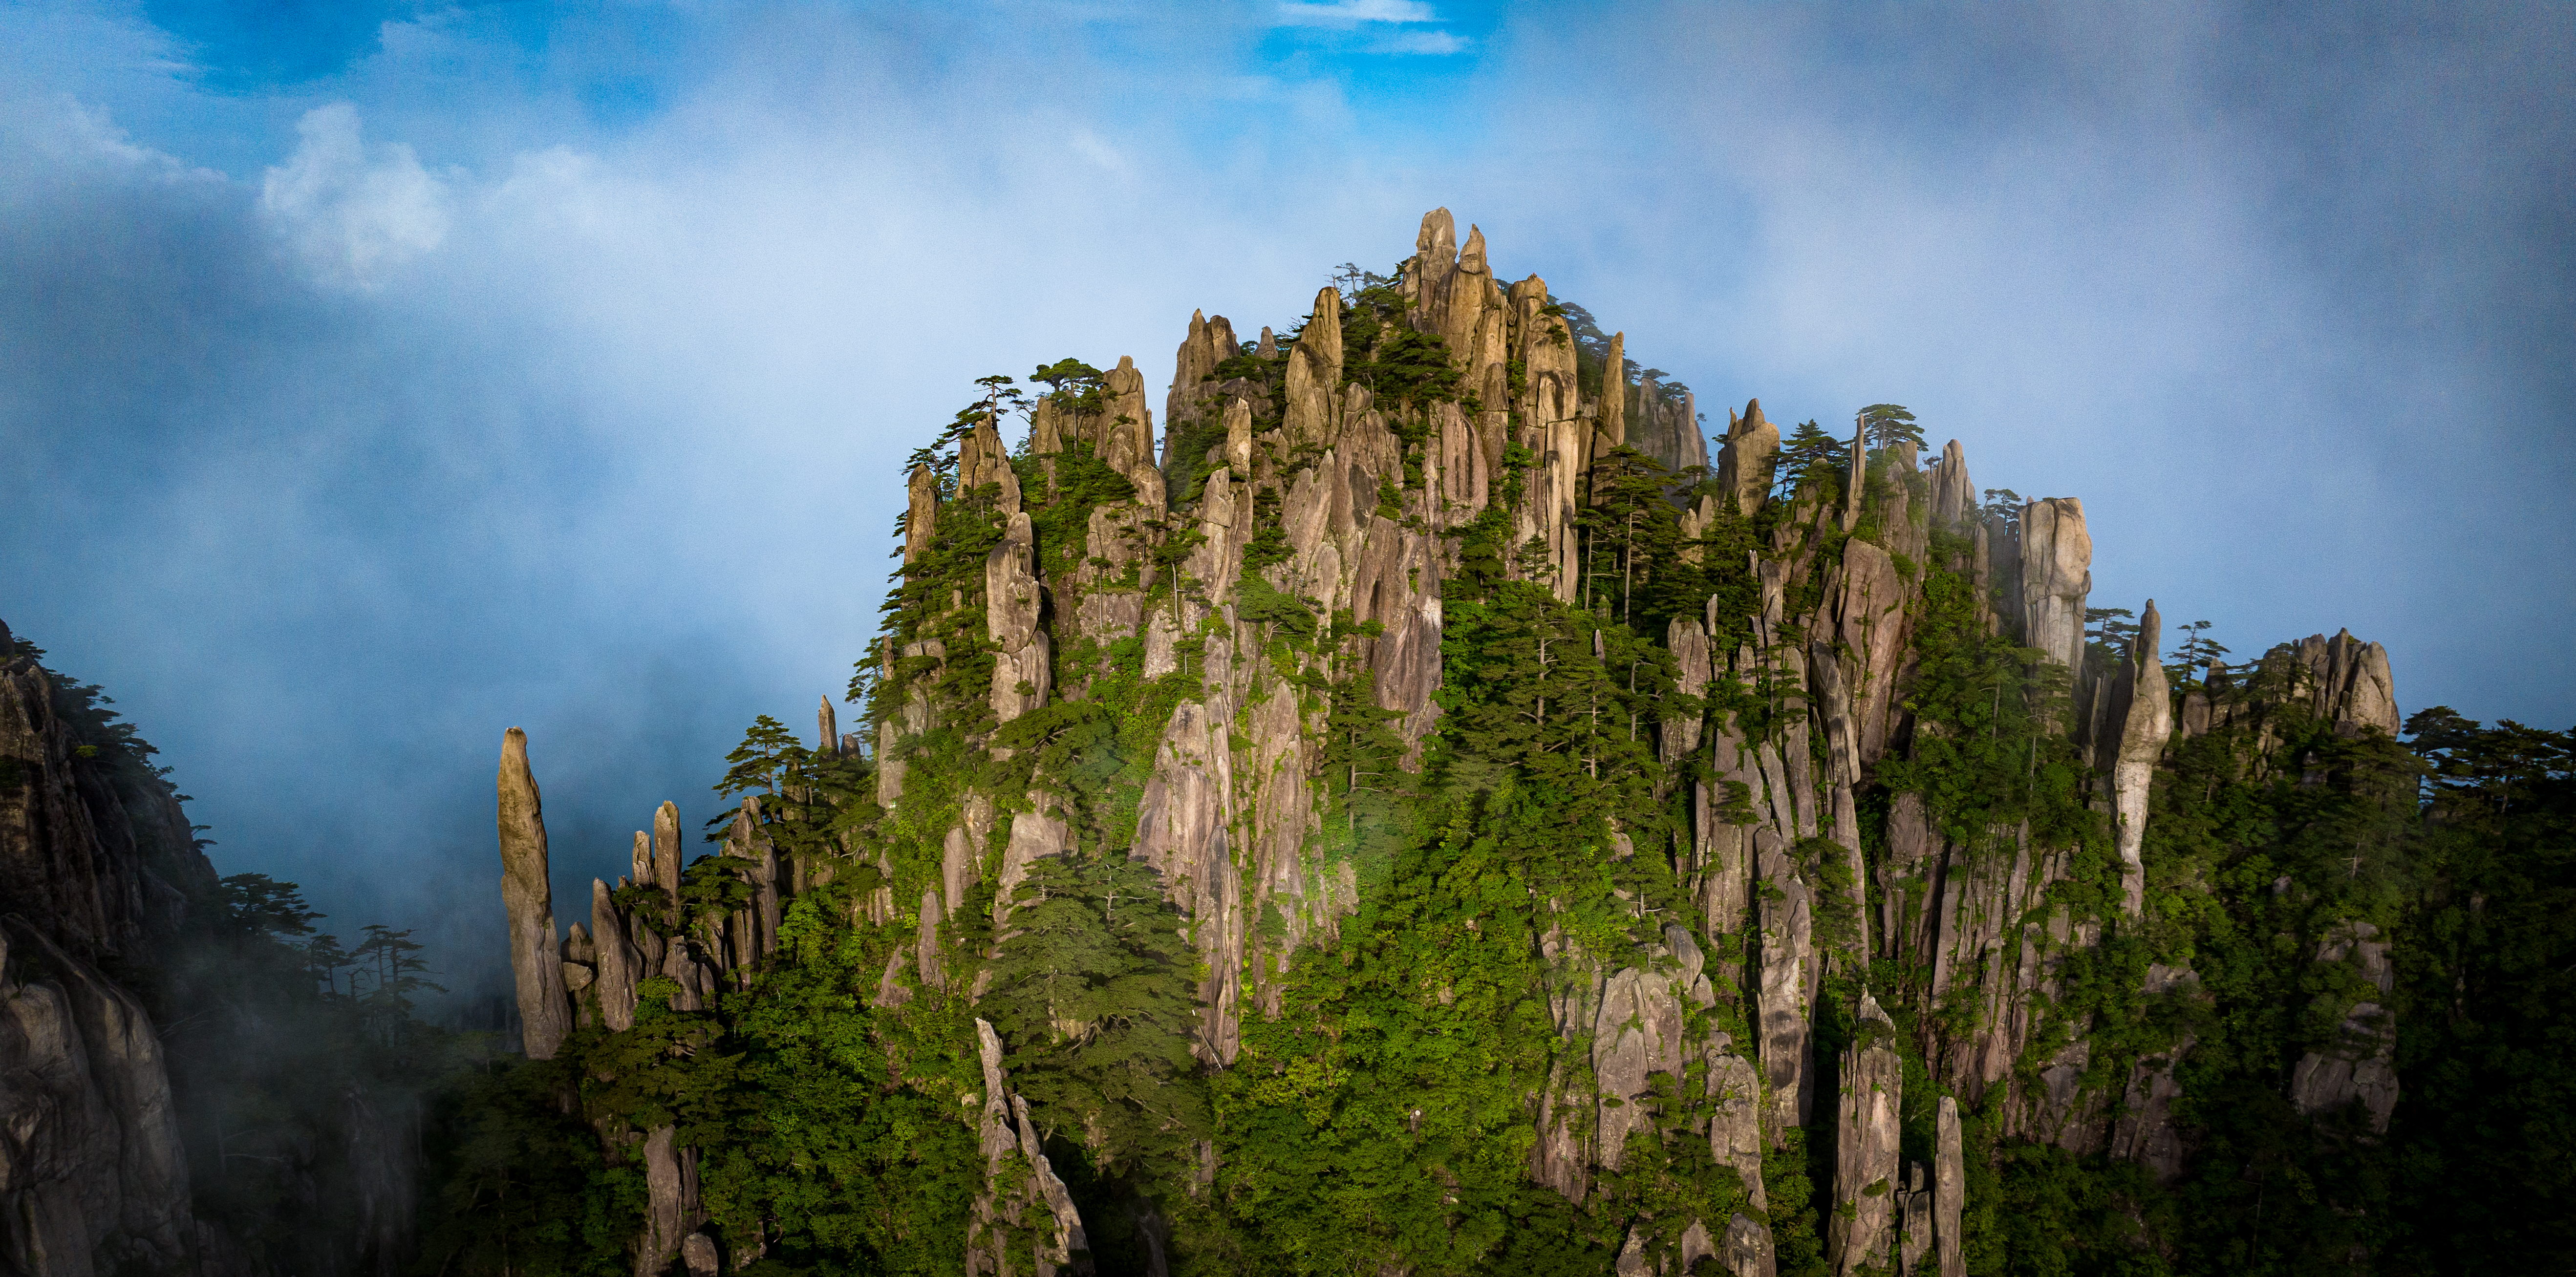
<point x="545" y="1008"/>
<point x="1788" y="973"/>
<point x="1747" y="456"/>
<point x="2056" y="555"/>
<point x="1866" y="1136"/>
<point x="1023" y="659"/>
<point x="2360" y="1064"/>
<point x="1261" y="605"/>
<point x="93" y="1173"/>
<point x="2144" y="712"/>
<point x="130" y="1032"/>
<point x="1663" y="423"/>
<point x="1949" y="1191"/>
<point x="1022" y="1188"/>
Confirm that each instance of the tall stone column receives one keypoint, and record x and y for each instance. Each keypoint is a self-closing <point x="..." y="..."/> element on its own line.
<point x="1949" y="1189"/>
<point x="536" y="958"/>
<point x="2144" y="731"/>
<point x="1865" y="1145"/>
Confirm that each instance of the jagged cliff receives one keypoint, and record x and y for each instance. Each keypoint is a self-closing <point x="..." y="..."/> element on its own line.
<point x="1674" y="846"/>
<point x="112" y="1120"/>
<point x="95" y="868"/>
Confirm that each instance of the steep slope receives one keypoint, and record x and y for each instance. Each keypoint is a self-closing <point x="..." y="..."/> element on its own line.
<point x="1424" y="817"/>
<point x="96" y="863"/>
<point x="176" y="1093"/>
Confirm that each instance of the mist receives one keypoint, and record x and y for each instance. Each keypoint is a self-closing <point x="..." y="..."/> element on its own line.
<point x="375" y="388"/>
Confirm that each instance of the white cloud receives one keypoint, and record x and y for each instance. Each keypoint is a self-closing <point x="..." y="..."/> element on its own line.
<point x="49" y="141"/>
<point x="634" y="368"/>
<point x="349" y="216"/>
<point x="1091" y="146"/>
<point x="1431" y="42"/>
<point x="1351" y="13"/>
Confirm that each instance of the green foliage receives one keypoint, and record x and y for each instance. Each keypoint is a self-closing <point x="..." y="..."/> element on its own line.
<point x="2487" y="972"/>
<point x="2263" y="843"/>
<point x="805" y="1139"/>
<point x="1629" y="531"/>
<point x="2046" y="1212"/>
<point x="1382" y="1108"/>
<point x="811" y="1140"/>
<point x="1993" y="758"/>
<point x="1885" y="425"/>
<point x="1091" y="992"/>
<point x="767" y="756"/>
<point x="1384" y="1115"/>
<point x="1797" y="1239"/>
<point x="2109" y="632"/>
<point x="523" y="1186"/>
<point x="1075" y="385"/>
<point x="1813" y="463"/>
<point x="1591" y="347"/>
<point x="2004" y="506"/>
<point x="1382" y="350"/>
<point x="2196" y="649"/>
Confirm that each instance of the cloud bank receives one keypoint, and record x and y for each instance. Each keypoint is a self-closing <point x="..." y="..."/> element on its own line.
<point x="482" y="369"/>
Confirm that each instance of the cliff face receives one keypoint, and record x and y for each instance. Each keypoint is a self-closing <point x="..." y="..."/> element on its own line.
<point x="1723" y="832"/>
<point x="113" y="1158"/>
<point x="95" y="865"/>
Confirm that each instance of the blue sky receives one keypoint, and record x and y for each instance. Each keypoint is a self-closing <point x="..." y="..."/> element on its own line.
<point x="374" y="378"/>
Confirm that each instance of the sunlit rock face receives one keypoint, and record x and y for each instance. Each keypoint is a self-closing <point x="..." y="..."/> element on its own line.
<point x="1884" y="796"/>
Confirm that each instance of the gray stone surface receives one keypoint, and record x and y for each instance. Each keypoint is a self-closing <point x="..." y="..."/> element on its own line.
<point x="2361" y="1063"/>
<point x="1747" y="456"/>
<point x="1949" y="1190"/>
<point x="1859" y="1234"/>
<point x="545" y="1011"/>
<point x="1748" y="1248"/>
<point x="2145" y="729"/>
<point x="1787" y="958"/>
<point x="2056" y="575"/>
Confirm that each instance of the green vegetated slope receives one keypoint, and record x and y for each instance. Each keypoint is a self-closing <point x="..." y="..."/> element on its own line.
<point x="1426" y="817"/>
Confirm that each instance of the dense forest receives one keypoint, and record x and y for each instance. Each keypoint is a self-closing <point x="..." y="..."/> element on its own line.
<point x="1419" y="812"/>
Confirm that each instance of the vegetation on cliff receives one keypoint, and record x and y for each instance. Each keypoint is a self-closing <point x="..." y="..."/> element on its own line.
<point x="1413" y="826"/>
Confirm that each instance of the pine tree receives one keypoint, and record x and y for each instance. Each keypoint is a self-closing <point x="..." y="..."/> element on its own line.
<point x="1629" y="530"/>
<point x="1885" y="425"/>
<point x="1813" y="461"/>
<point x="2109" y="631"/>
<point x="1092" y="993"/>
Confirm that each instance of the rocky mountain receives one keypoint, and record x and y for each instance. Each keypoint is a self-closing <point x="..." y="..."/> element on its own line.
<point x="173" y="1096"/>
<point x="1421" y="813"/>
<point x="99" y="864"/>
